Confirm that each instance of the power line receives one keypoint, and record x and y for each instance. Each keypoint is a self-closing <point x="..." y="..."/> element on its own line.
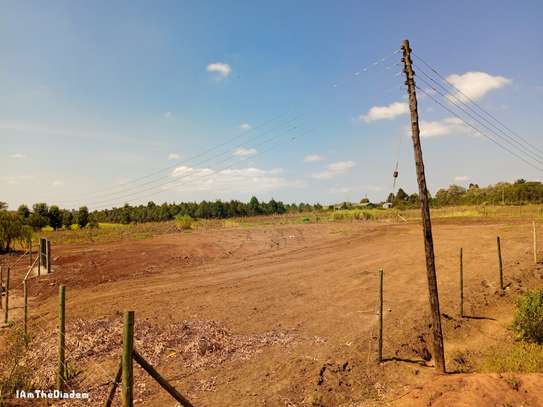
<point x="176" y="181"/>
<point x="475" y="103"/>
<point x="188" y="160"/>
<point x="479" y="131"/>
<point x="102" y="192"/>
<point x="534" y="155"/>
<point x="102" y="197"/>
<point x="507" y="140"/>
<point x="207" y="175"/>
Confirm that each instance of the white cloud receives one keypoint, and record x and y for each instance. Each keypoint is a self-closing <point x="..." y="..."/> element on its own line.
<point x="57" y="183"/>
<point x="334" y="169"/>
<point x="173" y="156"/>
<point x="221" y="69"/>
<point x="16" y="179"/>
<point x="18" y="156"/>
<point x="359" y="189"/>
<point x="476" y="84"/>
<point x="385" y="112"/>
<point x="167" y="115"/>
<point x="449" y="125"/>
<point x="461" y="178"/>
<point x="245" y="180"/>
<point x="244" y="152"/>
<point x="311" y="158"/>
<point x="245" y="126"/>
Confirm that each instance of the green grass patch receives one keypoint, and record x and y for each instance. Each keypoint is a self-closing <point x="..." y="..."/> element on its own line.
<point x="518" y="357"/>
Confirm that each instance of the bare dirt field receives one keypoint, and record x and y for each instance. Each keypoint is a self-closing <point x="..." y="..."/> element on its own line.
<point x="285" y="315"/>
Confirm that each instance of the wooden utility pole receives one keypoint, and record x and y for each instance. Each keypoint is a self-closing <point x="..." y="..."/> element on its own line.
<point x="439" y="354"/>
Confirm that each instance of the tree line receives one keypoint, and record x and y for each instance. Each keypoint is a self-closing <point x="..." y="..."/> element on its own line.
<point x="519" y="192"/>
<point x="18" y="225"/>
<point x="203" y="210"/>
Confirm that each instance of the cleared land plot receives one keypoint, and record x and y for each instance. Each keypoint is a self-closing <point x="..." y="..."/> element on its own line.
<point x="272" y="315"/>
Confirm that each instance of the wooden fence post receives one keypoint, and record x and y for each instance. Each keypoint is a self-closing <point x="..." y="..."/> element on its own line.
<point x="48" y="255"/>
<point x="1" y="287"/>
<point x="30" y="252"/>
<point x="461" y="283"/>
<point x="40" y="249"/>
<point x="6" y="303"/>
<point x="61" y="368"/>
<point x="127" y="390"/>
<point x="500" y="262"/>
<point x="380" y="333"/>
<point x="25" y="292"/>
<point x="535" y="242"/>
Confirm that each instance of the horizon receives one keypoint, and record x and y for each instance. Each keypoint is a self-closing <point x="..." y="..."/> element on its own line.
<point x="104" y="105"/>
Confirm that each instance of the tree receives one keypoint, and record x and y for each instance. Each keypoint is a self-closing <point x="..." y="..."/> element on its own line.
<point x="3" y="206"/>
<point x="254" y="206"/>
<point x="55" y="217"/>
<point x="83" y="216"/>
<point x="23" y="212"/>
<point x="12" y="230"/>
<point x="67" y="219"/>
<point x="41" y="209"/>
<point x="37" y="221"/>
<point x="401" y="195"/>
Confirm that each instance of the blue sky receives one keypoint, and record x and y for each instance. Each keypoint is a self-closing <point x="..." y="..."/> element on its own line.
<point x="96" y="94"/>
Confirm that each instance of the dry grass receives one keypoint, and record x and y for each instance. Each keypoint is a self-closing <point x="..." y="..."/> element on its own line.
<point x="192" y="344"/>
<point x="107" y="232"/>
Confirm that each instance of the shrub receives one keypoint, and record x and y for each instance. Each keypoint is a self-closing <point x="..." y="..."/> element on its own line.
<point x="528" y="322"/>
<point x="183" y="222"/>
<point x="12" y="230"/>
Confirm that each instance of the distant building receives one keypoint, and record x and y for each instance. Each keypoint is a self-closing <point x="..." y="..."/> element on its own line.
<point x="387" y="205"/>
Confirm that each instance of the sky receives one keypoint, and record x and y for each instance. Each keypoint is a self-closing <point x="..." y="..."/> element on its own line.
<point x="104" y="103"/>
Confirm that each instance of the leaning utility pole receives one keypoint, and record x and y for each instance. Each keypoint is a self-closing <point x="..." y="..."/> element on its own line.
<point x="439" y="355"/>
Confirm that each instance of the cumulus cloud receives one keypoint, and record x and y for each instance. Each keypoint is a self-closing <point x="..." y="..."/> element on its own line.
<point x="358" y="189"/>
<point x="221" y="69"/>
<point x="449" y="125"/>
<point x="461" y="178"/>
<point x="244" y="152"/>
<point x="173" y="156"/>
<point x="18" y="156"/>
<point x="385" y="112"/>
<point x="311" y="158"/>
<point x="476" y="84"/>
<point x="245" y="126"/>
<point x="247" y="180"/>
<point x="335" y="169"/>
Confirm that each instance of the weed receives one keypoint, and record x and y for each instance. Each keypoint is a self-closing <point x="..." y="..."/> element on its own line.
<point x="518" y="357"/>
<point x="528" y="322"/>
<point x="184" y="222"/>
<point x="14" y="374"/>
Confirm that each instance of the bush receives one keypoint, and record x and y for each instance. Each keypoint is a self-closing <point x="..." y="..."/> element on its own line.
<point x="528" y="322"/>
<point x="12" y="230"/>
<point x="183" y="222"/>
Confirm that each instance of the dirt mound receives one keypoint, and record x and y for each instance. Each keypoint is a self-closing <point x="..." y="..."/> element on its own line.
<point x="468" y="390"/>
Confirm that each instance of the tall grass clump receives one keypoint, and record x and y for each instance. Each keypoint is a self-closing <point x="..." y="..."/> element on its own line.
<point x="183" y="222"/>
<point x="14" y="375"/>
<point x="528" y="321"/>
